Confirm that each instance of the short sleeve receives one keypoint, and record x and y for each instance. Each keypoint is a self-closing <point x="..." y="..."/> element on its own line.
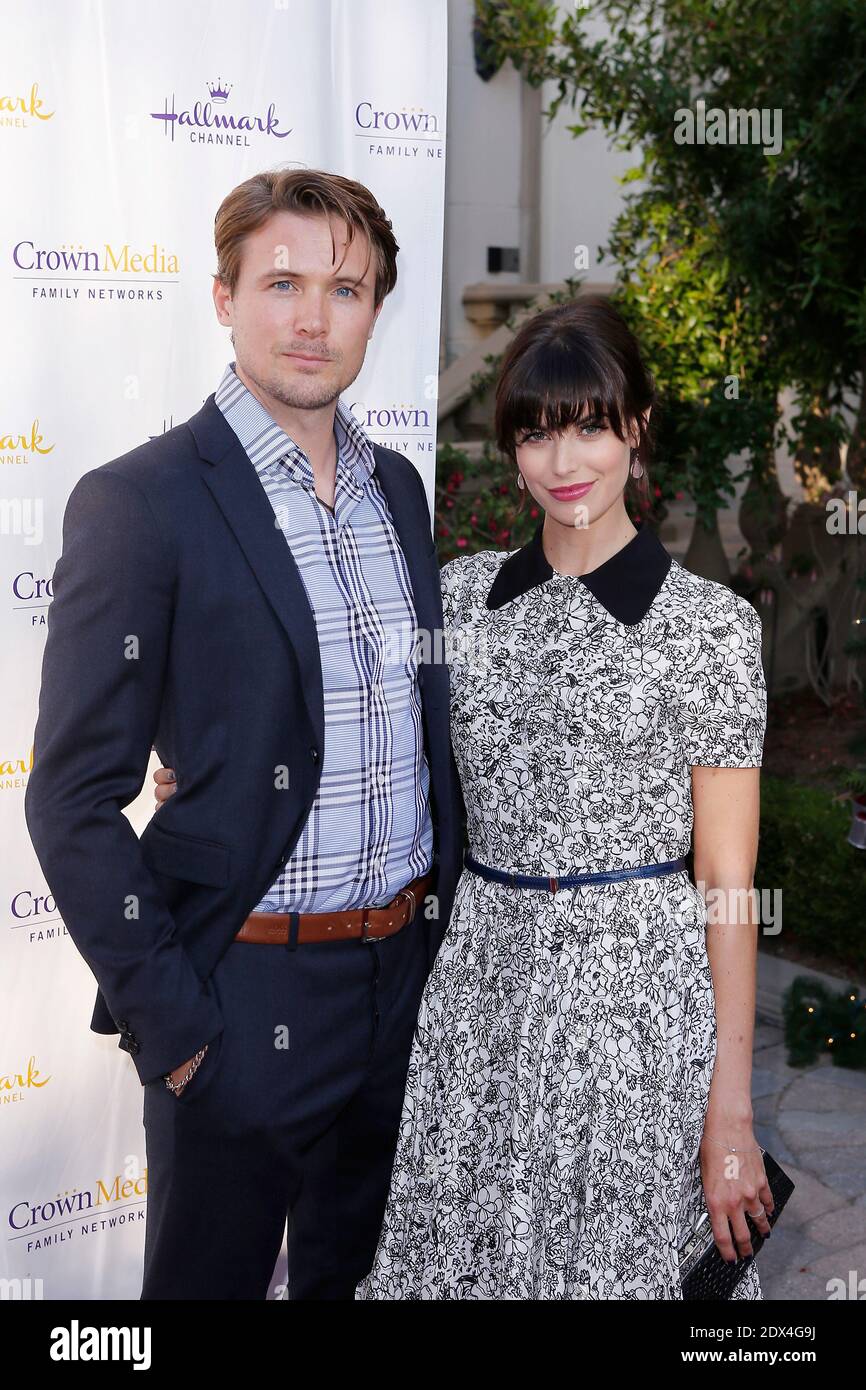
<point x="452" y="577"/>
<point x="723" y="697"/>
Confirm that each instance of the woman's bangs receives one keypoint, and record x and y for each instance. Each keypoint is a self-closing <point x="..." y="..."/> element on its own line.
<point x="560" y="388"/>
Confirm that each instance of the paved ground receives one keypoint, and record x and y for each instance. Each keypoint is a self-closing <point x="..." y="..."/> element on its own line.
<point x="813" y="1120"/>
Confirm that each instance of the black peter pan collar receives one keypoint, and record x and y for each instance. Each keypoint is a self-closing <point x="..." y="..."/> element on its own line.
<point x="626" y="584"/>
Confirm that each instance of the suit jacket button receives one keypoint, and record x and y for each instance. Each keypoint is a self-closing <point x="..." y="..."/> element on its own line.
<point x="134" y="1046"/>
<point x="314" y="754"/>
<point x="122" y="1023"/>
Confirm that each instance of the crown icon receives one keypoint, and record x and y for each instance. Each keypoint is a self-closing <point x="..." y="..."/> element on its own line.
<point x="217" y="91"/>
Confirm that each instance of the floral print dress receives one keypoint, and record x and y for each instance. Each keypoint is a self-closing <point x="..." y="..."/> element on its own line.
<point x="559" y="1076"/>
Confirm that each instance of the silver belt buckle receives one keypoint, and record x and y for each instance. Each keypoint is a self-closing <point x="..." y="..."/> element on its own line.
<point x="403" y="893"/>
<point x="407" y="893"/>
<point x="365" y="925"/>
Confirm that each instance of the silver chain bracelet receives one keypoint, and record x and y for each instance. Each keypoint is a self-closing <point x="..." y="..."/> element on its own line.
<point x="193" y="1067"/>
<point x="730" y="1148"/>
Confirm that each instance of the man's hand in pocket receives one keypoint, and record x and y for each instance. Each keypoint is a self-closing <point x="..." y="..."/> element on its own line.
<point x="166" y="784"/>
<point x="180" y="1071"/>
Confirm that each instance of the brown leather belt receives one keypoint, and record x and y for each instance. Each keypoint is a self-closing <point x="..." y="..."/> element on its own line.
<point x="368" y="923"/>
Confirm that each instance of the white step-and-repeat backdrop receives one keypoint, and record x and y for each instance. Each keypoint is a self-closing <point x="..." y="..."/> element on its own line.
<point x="122" y="127"/>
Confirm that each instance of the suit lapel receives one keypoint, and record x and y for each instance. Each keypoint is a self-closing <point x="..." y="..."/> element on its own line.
<point x="236" y="489"/>
<point x="415" y="540"/>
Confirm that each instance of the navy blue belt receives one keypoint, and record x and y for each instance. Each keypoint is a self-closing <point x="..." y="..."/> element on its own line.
<point x="668" y="866"/>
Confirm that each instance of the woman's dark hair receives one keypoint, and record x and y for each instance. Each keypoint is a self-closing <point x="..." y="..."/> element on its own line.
<point x="574" y="362"/>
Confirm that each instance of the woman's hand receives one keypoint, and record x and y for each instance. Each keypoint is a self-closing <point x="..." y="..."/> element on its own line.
<point x="735" y="1183"/>
<point x="166" y="784"/>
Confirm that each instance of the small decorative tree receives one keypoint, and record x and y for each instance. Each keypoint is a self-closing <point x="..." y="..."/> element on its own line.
<point x="817" y="1021"/>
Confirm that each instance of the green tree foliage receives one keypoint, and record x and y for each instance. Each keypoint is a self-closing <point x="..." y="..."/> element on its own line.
<point x="736" y="262"/>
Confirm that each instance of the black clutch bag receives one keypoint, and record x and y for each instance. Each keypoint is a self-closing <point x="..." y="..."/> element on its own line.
<point x="704" y="1272"/>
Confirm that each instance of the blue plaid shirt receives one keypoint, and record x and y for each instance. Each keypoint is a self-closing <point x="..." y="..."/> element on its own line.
<point x="369" y="831"/>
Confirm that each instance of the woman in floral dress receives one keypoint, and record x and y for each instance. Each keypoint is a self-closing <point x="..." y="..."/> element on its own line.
<point x="579" y="1085"/>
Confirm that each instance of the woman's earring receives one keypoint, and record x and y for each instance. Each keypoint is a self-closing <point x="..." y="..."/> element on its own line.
<point x="636" y="466"/>
<point x="520" y="481"/>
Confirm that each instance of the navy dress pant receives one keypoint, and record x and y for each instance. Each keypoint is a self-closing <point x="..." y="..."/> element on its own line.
<point x="293" y="1113"/>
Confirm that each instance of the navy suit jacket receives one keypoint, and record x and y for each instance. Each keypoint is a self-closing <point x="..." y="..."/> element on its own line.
<point x="180" y="622"/>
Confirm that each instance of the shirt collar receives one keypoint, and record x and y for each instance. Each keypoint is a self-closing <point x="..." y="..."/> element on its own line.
<point x="626" y="584"/>
<point x="267" y="443"/>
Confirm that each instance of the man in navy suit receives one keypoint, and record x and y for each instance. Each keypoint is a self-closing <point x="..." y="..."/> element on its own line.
<point x="251" y="594"/>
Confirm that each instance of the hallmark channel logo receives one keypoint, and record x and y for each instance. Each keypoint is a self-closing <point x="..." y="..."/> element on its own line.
<point x="20" y="446"/>
<point x="206" y="125"/>
<point x="16" y="106"/>
<point x="15" y="1084"/>
<point x="13" y="769"/>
